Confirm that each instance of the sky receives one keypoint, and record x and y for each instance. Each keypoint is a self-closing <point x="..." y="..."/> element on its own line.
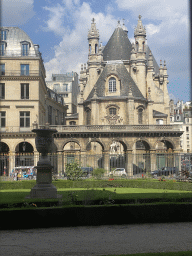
<point x="60" y="27"/>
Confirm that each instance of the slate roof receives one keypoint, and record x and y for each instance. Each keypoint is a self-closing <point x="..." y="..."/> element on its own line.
<point x="158" y="114"/>
<point x="126" y="82"/>
<point x="156" y="67"/>
<point x="118" y="47"/>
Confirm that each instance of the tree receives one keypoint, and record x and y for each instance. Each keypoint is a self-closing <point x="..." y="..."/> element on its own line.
<point x="98" y="173"/>
<point x="74" y="172"/>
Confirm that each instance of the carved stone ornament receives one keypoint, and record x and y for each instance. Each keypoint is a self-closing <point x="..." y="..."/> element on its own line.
<point x="114" y="119"/>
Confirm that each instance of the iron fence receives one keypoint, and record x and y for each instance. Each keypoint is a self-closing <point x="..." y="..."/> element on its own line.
<point x="162" y="164"/>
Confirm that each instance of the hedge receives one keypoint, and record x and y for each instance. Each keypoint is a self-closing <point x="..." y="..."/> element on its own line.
<point x="95" y="215"/>
<point x="170" y="185"/>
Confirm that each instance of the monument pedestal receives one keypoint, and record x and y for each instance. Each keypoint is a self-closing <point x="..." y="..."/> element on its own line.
<point x="44" y="188"/>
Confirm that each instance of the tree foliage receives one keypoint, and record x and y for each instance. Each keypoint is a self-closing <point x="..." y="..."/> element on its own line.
<point x="74" y="172"/>
<point x="98" y="173"/>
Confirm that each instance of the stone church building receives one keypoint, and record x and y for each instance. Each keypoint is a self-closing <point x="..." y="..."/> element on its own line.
<point x="123" y="102"/>
<point x="122" y="83"/>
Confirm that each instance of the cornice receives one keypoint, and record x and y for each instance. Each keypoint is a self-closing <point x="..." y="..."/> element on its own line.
<point x="19" y="78"/>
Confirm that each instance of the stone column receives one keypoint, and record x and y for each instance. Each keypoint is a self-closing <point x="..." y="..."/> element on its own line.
<point x="11" y="161"/>
<point x="106" y="156"/>
<point x="83" y="161"/>
<point x="177" y="159"/>
<point x="60" y="168"/>
<point x="153" y="160"/>
<point x="36" y="157"/>
<point x="129" y="163"/>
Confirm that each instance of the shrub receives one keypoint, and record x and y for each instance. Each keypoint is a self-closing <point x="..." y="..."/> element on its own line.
<point x="74" y="172"/>
<point x="98" y="173"/>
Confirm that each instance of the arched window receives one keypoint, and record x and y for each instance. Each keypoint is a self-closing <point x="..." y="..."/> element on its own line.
<point x="112" y="84"/>
<point x="88" y="121"/>
<point x="72" y="123"/>
<point x="112" y="111"/>
<point x="96" y="48"/>
<point x="89" y="48"/>
<point x="143" y="46"/>
<point x="137" y="47"/>
<point x="140" y="115"/>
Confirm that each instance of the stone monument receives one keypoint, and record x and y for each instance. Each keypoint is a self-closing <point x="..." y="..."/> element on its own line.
<point x="44" y="187"/>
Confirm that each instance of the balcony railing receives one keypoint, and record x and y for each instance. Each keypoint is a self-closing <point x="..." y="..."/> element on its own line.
<point x="98" y="128"/>
<point x="115" y="128"/>
<point x="20" y="73"/>
<point x="15" y="53"/>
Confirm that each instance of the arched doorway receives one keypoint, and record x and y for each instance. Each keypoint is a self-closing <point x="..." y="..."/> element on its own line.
<point x="94" y="156"/>
<point x="117" y="155"/>
<point x="4" y="159"/>
<point x="141" y="159"/>
<point x="164" y="156"/>
<point x="71" y="153"/>
<point x="24" y="154"/>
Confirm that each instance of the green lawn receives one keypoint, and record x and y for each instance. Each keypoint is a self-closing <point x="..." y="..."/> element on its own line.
<point x="18" y="195"/>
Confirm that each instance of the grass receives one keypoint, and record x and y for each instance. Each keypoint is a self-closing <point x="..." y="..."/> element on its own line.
<point x="187" y="253"/>
<point x="83" y="194"/>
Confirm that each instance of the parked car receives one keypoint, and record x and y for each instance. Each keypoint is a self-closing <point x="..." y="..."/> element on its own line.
<point x="87" y="170"/>
<point x="119" y="172"/>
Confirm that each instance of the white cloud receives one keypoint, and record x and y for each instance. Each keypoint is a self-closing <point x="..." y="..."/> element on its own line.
<point x="73" y="48"/>
<point x="55" y="21"/>
<point x="16" y="12"/>
<point x="152" y="29"/>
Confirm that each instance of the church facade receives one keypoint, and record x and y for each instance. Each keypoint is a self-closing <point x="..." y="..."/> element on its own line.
<point x="122" y="83"/>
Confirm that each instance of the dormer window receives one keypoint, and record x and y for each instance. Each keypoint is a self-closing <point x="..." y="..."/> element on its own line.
<point x="25" y="48"/>
<point x="3" y="35"/>
<point x="112" y="84"/>
<point x="2" y="48"/>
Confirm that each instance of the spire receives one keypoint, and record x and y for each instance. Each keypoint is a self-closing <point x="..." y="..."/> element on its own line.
<point x="140" y="30"/>
<point x="124" y="27"/>
<point x="161" y="68"/>
<point x="118" y="24"/>
<point x="165" y="69"/>
<point x="93" y="32"/>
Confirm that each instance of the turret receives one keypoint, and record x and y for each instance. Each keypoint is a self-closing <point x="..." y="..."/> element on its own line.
<point x="95" y="58"/>
<point x="93" y="38"/>
<point x="140" y="35"/>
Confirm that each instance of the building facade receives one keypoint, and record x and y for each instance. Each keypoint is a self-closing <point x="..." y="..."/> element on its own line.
<point x="24" y="99"/>
<point x="181" y="115"/>
<point x="67" y="86"/>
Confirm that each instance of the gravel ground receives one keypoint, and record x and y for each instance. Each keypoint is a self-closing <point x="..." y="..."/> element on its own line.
<point x="97" y="240"/>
